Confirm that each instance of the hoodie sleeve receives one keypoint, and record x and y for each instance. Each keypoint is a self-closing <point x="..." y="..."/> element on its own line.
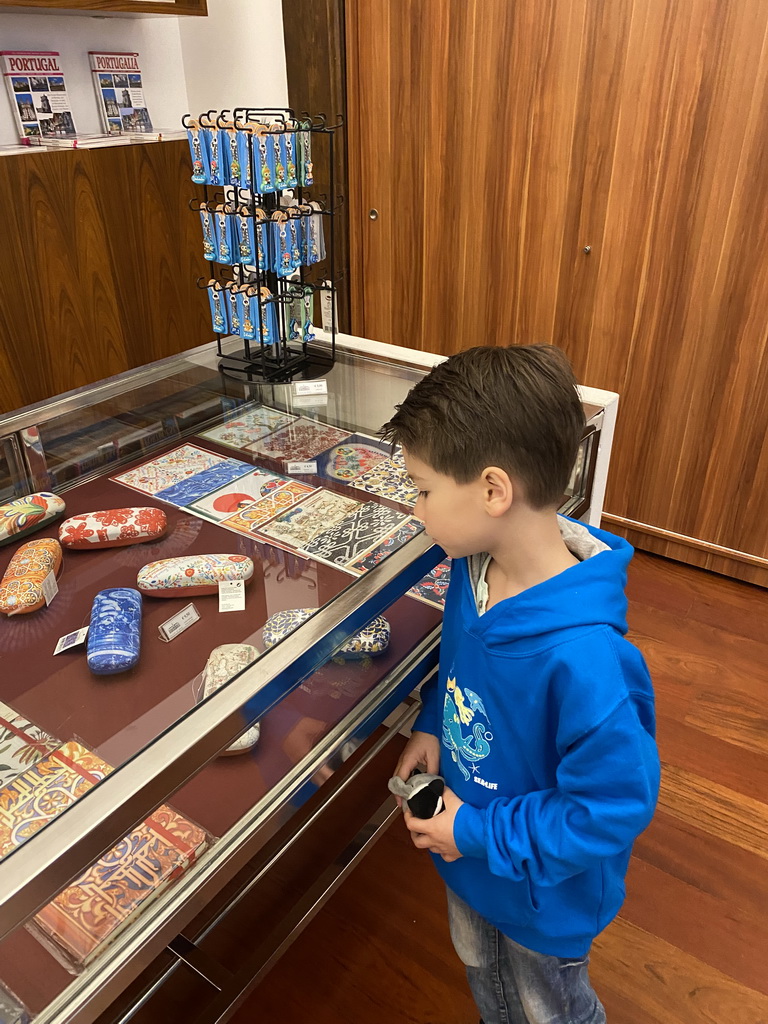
<point x="428" y="719"/>
<point x="606" y="791"/>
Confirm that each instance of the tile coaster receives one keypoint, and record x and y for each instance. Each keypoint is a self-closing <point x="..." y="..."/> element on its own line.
<point x="356" y="455"/>
<point x="251" y="517"/>
<point x="409" y="529"/>
<point x="237" y="495"/>
<point x="355" y="533"/>
<point x="300" y="525"/>
<point x="300" y="441"/>
<point x="248" y="425"/>
<point x="168" y="469"/>
<point x="388" y="479"/>
<point x="433" y="587"/>
<point x="211" y="479"/>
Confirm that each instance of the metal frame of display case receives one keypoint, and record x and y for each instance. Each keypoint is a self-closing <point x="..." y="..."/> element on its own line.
<point x="53" y="857"/>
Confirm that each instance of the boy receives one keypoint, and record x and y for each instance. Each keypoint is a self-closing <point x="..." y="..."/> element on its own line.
<point x="542" y="719"/>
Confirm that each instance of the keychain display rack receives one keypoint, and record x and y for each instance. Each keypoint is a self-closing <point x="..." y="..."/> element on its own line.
<point x="278" y="303"/>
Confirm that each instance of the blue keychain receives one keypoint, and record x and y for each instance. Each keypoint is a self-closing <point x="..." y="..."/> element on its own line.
<point x="226" y="244"/>
<point x="212" y="137"/>
<point x="200" y="171"/>
<point x="246" y="243"/>
<point x="249" y="311"/>
<point x="291" y="177"/>
<point x="304" y="143"/>
<point x="264" y="159"/>
<point x="243" y="159"/>
<point x="206" y="219"/>
<point x="233" y="309"/>
<point x="277" y="140"/>
<point x="218" y="311"/>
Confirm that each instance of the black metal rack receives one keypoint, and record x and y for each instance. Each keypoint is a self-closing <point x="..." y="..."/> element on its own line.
<point x="283" y="358"/>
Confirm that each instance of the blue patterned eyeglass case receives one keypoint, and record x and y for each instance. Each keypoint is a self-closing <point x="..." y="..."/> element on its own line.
<point x="114" y="637"/>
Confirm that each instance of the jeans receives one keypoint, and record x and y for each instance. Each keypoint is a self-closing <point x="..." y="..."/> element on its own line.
<point x="515" y="985"/>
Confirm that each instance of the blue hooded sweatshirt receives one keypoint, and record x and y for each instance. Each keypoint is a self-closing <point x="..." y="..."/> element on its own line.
<point x="546" y="718"/>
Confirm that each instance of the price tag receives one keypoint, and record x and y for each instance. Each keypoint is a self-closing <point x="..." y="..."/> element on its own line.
<point x="178" y="623"/>
<point x="301" y="467"/>
<point x="71" y="640"/>
<point x="310" y="387"/>
<point x="232" y="596"/>
<point x="50" y="587"/>
<point x="326" y="309"/>
<point x="309" y="401"/>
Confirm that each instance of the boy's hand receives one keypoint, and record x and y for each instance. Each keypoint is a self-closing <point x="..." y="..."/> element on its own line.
<point x="421" y="751"/>
<point x="436" y="834"/>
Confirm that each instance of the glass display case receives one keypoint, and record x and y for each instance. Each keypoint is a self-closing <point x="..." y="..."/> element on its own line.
<point x="286" y="606"/>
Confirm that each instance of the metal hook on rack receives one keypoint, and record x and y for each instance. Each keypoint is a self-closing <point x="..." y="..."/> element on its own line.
<point x="188" y="121"/>
<point x="220" y="123"/>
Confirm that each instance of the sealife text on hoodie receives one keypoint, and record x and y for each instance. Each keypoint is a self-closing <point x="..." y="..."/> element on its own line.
<point x="545" y="714"/>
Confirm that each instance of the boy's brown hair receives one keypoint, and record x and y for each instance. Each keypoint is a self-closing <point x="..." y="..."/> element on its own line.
<point x="516" y="408"/>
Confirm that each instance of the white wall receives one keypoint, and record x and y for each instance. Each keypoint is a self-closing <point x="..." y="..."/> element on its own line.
<point x="156" y="40"/>
<point x="234" y="57"/>
<point x="245" y="38"/>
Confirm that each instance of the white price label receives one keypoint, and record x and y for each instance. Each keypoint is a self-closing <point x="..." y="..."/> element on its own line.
<point x="301" y="467"/>
<point x="309" y="401"/>
<point x="326" y="310"/>
<point x="310" y="387"/>
<point x="232" y="596"/>
<point x="50" y="587"/>
<point x="178" y="623"/>
<point x="71" y="640"/>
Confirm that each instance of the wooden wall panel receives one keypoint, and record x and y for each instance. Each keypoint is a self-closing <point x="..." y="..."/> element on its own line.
<point x="317" y="82"/>
<point x="499" y="140"/>
<point x="98" y="266"/>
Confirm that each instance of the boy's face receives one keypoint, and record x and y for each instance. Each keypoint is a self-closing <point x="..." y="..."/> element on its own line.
<point x="454" y="514"/>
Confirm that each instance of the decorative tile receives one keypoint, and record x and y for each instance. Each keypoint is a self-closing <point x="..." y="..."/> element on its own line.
<point x="248" y="425"/>
<point x="300" y="442"/>
<point x="234" y="497"/>
<point x="301" y="524"/>
<point x="36" y="796"/>
<point x="433" y="587"/>
<point x="21" y="744"/>
<point x="211" y="479"/>
<point x="356" y="455"/>
<point x="251" y="517"/>
<point x="354" y="534"/>
<point x="161" y="473"/>
<point x="389" y="479"/>
<point x="409" y="529"/>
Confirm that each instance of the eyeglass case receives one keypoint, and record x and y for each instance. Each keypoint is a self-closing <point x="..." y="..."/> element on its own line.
<point x="370" y="641"/>
<point x="223" y="664"/>
<point x="21" y="588"/>
<point x="114" y="635"/>
<point x="192" y="575"/>
<point x="113" y="528"/>
<point x="23" y="516"/>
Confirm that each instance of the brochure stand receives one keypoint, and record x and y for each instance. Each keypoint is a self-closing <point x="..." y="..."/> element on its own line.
<point x="276" y="336"/>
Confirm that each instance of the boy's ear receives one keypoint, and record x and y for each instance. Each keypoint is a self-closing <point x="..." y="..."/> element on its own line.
<point x="498" y="490"/>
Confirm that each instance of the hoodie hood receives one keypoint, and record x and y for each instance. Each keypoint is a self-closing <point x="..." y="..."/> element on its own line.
<point x="588" y="594"/>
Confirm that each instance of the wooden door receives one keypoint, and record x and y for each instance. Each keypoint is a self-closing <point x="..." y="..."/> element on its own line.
<point x="591" y="175"/>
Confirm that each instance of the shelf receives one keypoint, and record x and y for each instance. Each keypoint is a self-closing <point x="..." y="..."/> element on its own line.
<point x="107" y="7"/>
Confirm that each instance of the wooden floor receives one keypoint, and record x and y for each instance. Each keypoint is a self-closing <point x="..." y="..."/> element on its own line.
<point x="691" y="944"/>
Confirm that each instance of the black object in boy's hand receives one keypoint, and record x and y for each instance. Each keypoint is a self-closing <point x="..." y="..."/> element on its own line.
<point x="423" y="793"/>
